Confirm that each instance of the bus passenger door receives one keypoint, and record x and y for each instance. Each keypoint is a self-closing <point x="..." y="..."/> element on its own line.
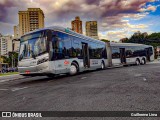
<point x="148" y="54"/>
<point x="122" y="55"/>
<point x="85" y="53"/>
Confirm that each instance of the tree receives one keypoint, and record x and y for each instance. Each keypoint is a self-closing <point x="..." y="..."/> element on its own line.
<point x="14" y="56"/>
<point x="11" y="55"/>
<point x="153" y="39"/>
<point x="5" y="59"/>
<point x="104" y="40"/>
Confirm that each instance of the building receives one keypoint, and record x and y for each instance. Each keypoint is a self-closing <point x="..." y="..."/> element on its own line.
<point x="5" y="44"/>
<point x="77" y="25"/>
<point x="92" y="29"/>
<point x="16" y="31"/>
<point x="30" y="20"/>
<point x="23" y="22"/>
<point x="16" y="45"/>
<point x="123" y="40"/>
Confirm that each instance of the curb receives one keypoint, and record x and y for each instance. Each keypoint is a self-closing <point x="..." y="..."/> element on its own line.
<point x="9" y="75"/>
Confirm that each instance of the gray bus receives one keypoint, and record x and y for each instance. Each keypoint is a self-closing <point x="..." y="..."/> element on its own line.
<point x="57" y="50"/>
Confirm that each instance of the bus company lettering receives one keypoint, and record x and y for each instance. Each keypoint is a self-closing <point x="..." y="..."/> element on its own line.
<point x="94" y="62"/>
<point x="66" y="62"/>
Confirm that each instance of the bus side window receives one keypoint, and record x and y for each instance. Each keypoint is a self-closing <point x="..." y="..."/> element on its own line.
<point x="57" y="43"/>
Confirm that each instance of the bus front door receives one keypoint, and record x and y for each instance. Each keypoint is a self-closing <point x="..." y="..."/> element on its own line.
<point x="122" y="55"/>
<point x="85" y="52"/>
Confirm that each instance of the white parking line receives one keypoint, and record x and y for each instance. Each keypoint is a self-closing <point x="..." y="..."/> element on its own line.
<point x="1" y="81"/>
<point x="16" y="89"/>
<point x="10" y="79"/>
<point x="154" y="62"/>
<point x="144" y="79"/>
<point x="3" y="89"/>
<point x="83" y="78"/>
<point x="138" y="75"/>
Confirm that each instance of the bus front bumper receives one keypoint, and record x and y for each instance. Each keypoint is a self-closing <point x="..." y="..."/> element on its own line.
<point x="40" y="69"/>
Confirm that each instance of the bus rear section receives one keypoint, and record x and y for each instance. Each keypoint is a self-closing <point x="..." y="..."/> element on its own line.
<point x="130" y="53"/>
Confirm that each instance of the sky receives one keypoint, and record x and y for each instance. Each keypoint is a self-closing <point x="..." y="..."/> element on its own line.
<point x="116" y="18"/>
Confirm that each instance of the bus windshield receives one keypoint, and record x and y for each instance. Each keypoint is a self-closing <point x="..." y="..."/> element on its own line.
<point x="32" y="45"/>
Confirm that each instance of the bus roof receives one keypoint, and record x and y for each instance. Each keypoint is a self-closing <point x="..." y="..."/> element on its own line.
<point x="128" y="44"/>
<point x="66" y="30"/>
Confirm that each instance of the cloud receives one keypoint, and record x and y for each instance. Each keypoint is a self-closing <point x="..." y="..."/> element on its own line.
<point x="137" y="16"/>
<point x="149" y="8"/>
<point x="110" y="14"/>
<point x="60" y="9"/>
<point x="152" y="8"/>
<point x="6" y="27"/>
<point x="116" y="34"/>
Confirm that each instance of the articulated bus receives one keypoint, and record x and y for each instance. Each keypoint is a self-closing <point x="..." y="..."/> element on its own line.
<point x="58" y="50"/>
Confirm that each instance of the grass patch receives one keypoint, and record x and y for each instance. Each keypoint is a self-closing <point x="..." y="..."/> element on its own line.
<point x="9" y="73"/>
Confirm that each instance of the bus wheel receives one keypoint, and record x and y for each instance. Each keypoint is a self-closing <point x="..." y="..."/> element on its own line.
<point x="143" y="61"/>
<point x="137" y="62"/>
<point x="73" y="69"/>
<point x="102" y="65"/>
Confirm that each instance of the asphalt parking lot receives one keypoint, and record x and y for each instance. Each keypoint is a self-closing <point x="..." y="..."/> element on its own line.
<point x="133" y="88"/>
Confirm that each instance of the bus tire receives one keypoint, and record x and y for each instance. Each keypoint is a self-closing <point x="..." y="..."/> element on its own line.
<point x="137" y="62"/>
<point x="73" y="69"/>
<point x="143" y="61"/>
<point x="102" y="65"/>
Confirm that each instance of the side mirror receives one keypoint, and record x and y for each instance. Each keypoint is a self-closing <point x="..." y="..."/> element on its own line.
<point x="20" y="57"/>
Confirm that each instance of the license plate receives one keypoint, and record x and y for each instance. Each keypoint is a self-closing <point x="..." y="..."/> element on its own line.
<point x="27" y="72"/>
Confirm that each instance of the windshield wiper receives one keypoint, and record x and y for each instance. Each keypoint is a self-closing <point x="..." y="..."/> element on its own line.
<point x="33" y="55"/>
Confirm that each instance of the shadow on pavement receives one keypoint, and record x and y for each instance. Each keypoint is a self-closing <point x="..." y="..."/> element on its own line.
<point x="45" y="79"/>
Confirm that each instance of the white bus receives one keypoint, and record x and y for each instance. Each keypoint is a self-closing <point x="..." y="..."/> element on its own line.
<point x="56" y="50"/>
<point x="158" y="53"/>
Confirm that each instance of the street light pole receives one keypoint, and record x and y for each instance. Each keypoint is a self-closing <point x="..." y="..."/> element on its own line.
<point x="12" y="59"/>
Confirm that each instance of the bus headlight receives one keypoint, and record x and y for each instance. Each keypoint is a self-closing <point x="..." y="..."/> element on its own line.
<point x="42" y="61"/>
